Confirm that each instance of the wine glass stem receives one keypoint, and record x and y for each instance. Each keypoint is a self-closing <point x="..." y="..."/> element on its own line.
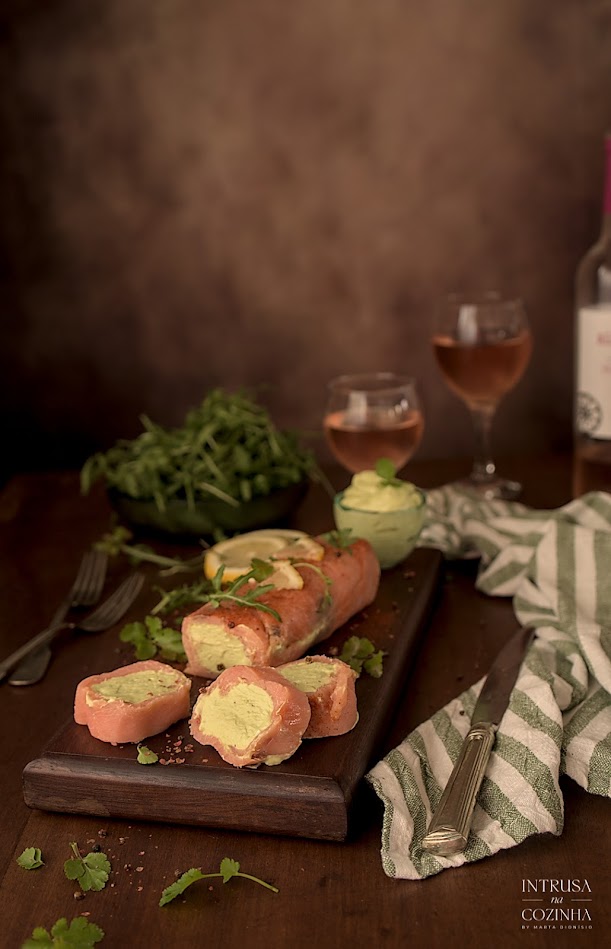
<point x="484" y="468"/>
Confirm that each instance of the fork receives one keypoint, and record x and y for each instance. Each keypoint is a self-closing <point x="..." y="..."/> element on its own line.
<point x="85" y="591"/>
<point x="105" y="616"/>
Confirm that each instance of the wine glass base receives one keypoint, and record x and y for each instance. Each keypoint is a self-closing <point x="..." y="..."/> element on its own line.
<point x="494" y="489"/>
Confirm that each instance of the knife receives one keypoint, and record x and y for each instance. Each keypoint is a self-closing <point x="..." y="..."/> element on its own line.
<point x="448" y="831"/>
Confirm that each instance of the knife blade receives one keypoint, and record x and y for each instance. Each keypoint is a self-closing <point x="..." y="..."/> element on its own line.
<point x="448" y="832"/>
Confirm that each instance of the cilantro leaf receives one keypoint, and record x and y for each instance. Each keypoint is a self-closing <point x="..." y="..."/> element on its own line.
<point x="146" y="756"/>
<point x="80" y="934"/>
<point x="229" y="868"/>
<point x="168" y="641"/>
<point x="361" y="655"/>
<point x="31" y="858"/>
<point x="180" y="885"/>
<point x="151" y="637"/>
<point x="91" y="871"/>
<point x="135" y="633"/>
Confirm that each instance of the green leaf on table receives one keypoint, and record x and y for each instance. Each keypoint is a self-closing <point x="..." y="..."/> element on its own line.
<point x="151" y="636"/>
<point x="79" y="934"/>
<point x="386" y="471"/>
<point x="146" y="756"/>
<point x="362" y="656"/>
<point x="31" y="858"/>
<point x="228" y="869"/>
<point x="168" y="641"/>
<point x="91" y="871"/>
<point x="180" y="885"/>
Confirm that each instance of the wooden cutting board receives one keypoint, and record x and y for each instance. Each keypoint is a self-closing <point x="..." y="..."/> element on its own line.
<point x="309" y="795"/>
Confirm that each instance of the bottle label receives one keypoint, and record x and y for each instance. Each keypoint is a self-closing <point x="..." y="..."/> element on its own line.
<point x="593" y="408"/>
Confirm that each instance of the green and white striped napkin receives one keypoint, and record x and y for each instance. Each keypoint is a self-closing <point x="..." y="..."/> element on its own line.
<point x="557" y="567"/>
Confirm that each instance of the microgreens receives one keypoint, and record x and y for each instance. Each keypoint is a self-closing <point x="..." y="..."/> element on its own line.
<point x="386" y="471"/>
<point x="31" y="858"/>
<point x="228" y="869"/>
<point x="151" y="636"/>
<point x="91" y="871"/>
<point x="80" y="934"/>
<point x="361" y="655"/>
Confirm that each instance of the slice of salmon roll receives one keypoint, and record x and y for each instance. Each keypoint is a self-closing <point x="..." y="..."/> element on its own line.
<point x="334" y="589"/>
<point x="329" y="686"/>
<point x="133" y="702"/>
<point x="251" y="716"/>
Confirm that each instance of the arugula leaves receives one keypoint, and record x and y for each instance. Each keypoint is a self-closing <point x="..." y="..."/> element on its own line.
<point x="227" y="448"/>
<point x="91" y="871"/>
<point x="117" y="541"/>
<point x="361" y="655"/>
<point x="235" y="592"/>
<point x="151" y="637"/>
<point x="80" y="934"/>
<point x="186" y="595"/>
<point x="31" y="858"/>
<point x="228" y="869"/>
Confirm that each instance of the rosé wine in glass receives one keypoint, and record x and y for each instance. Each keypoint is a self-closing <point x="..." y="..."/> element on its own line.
<point x="482" y="346"/>
<point x="371" y="416"/>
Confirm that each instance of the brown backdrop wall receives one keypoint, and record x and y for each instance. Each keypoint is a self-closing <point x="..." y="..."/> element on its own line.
<point x="228" y="193"/>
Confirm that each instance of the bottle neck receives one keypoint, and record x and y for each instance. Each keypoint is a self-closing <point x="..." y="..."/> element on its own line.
<point x="606" y="221"/>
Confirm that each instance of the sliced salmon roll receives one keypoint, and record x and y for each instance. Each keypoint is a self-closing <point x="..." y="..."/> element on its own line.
<point x="334" y="589"/>
<point x="251" y="716"/>
<point x="132" y="703"/>
<point x="329" y="686"/>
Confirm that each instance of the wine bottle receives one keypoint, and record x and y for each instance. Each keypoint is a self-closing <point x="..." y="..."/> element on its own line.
<point x="592" y="451"/>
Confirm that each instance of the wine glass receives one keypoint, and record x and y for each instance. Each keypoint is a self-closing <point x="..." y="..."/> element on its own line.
<point x="373" y="415"/>
<point x="482" y="344"/>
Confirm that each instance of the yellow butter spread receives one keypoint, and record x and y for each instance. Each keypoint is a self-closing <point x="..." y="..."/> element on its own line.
<point x="368" y="492"/>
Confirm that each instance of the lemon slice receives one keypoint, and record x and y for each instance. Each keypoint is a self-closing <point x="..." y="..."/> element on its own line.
<point x="285" y="576"/>
<point x="302" y="548"/>
<point x="236" y="553"/>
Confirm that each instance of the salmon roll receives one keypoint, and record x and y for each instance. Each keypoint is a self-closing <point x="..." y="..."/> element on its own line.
<point x="132" y="703"/>
<point x="251" y="716"/>
<point x="329" y="686"/>
<point x="334" y="588"/>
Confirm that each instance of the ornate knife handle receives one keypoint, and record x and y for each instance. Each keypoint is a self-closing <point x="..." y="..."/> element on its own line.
<point x="448" y="831"/>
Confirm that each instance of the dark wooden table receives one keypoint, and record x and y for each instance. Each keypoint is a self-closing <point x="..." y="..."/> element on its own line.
<point x="330" y="894"/>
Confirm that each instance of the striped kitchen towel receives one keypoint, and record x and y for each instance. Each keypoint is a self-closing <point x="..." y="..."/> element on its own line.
<point x="557" y="567"/>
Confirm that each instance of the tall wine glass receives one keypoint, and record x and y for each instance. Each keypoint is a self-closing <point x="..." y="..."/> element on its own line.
<point x="482" y="345"/>
<point x="373" y="415"/>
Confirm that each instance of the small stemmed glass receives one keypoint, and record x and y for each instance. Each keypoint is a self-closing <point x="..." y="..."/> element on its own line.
<point x="482" y="345"/>
<point x="370" y="416"/>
